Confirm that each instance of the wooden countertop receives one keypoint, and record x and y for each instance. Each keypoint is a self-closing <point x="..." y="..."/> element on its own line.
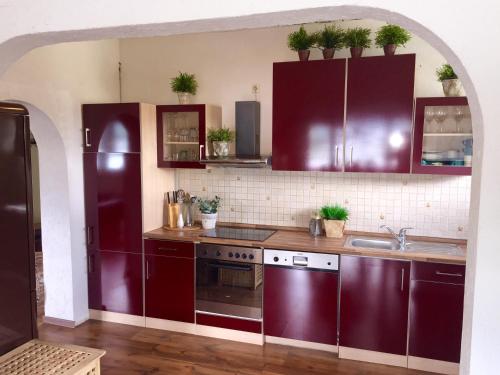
<point x="298" y="239"/>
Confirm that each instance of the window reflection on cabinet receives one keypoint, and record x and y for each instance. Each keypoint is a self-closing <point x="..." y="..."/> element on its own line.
<point x="443" y="136"/>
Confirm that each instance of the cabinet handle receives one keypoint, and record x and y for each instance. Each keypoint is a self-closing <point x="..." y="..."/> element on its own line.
<point x="90" y="235"/>
<point x="402" y="279"/>
<point x="201" y="151"/>
<point x="336" y="156"/>
<point x="90" y="264"/>
<point x="87" y="137"/>
<point x="352" y="152"/>
<point x="448" y="274"/>
<point x="147" y="270"/>
<point x="166" y="249"/>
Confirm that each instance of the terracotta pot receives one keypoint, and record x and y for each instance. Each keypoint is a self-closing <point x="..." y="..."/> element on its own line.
<point x="452" y="87"/>
<point x="304" y="54"/>
<point x="328" y="53"/>
<point x="356" y="52"/>
<point x="390" y="49"/>
<point x="334" y="228"/>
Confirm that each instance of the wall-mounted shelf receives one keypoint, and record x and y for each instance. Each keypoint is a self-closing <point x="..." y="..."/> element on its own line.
<point x="447" y="134"/>
<point x="181" y="143"/>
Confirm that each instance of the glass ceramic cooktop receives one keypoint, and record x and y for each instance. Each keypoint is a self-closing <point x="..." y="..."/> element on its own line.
<point x="239" y="234"/>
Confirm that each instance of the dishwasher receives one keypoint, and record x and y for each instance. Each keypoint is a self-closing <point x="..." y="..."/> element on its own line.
<point x="301" y="295"/>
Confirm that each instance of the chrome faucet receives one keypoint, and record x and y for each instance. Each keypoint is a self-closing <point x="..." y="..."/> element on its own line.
<point x="400" y="237"/>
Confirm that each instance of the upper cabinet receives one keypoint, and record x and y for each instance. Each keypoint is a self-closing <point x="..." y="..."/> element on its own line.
<point x="379" y="113"/>
<point x="443" y="136"/>
<point x="111" y="127"/>
<point x="182" y="133"/>
<point x="308" y="115"/>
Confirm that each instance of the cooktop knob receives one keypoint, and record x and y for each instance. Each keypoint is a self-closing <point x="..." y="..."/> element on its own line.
<point x="230" y="255"/>
<point x="237" y="255"/>
<point x="276" y="259"/>
<point x="251" y="256"/>
<point x="244" y="256"/>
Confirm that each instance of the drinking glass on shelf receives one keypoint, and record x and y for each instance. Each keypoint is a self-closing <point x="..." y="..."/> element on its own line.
<point x="193" y="134"/>
<point x="428" y="118"/>
<point x="459" y="115"/>
<point x="441" y="115"/>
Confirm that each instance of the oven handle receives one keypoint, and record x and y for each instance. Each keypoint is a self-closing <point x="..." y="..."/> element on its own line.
<point x="228" y="267"/>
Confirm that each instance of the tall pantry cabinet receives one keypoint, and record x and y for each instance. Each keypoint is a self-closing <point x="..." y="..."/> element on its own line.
<point x="123" y="198"/>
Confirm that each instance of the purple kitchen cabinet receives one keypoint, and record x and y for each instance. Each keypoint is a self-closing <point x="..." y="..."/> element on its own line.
<point x="308" y="115"/>
<point x="170" y="287"/>
<point x="379" y="113"/>
<point x="115" y="282"/>
<point x="111" y="127"/>
<point x="306" y="309"/>
<point x="374" y="304"/>
<point x="436" y="311"/>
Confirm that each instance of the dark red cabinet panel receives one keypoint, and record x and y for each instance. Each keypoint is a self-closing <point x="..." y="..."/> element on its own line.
<point x="113" y="201"/>
<point x="436" y="313"/>
<point x="379" y="113"/>
<point x="169" y="248"/>
<point x="115" y="282"/>
<point x="229" y="323"/>
<point x="170" y="288"/>
<point x="374" y="304"/>
<point x="111" y="127"/>
<point x="308" y="115"/>
<point x="301" y="304"/>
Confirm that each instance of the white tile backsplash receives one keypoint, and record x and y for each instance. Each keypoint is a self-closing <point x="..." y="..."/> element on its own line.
<point x="433" y="205"/>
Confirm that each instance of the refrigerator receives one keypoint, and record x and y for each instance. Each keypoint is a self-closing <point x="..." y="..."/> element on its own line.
<point x="17" y="257"/>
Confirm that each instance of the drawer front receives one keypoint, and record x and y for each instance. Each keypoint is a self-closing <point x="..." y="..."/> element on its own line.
<point x="438" y="272"/>
<point x="169" y="248"/>
<point x="229" y="323"/>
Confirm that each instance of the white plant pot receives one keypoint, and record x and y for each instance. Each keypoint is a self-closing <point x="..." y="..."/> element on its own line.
<point x="221" y="149"/>
<point x="452" y="87"/>
<point x="208" y="221"/>
<point x="184" y="97"/>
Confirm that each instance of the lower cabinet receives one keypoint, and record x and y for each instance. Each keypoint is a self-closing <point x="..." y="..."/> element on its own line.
<point x="436" y="311"/>
<point x="115" y="282"/>
<point x="374" y="304"/>
<point x="170" y="286"/>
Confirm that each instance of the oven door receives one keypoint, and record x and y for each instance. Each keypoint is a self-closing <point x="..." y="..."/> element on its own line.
<point x="229" y="288"/>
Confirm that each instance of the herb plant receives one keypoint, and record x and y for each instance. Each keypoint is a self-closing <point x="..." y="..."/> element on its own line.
<point x="209" y="206"/>
<point x="392" y="34"/>
<point x="335" y="212"/>
<point x="301" y="40"/>
<point x="184" y="82"/>
<point x="445" y="72"/>
<point x="330" y="37"/>
<point x="357" y="37"/>
<point x="220" y="135"/>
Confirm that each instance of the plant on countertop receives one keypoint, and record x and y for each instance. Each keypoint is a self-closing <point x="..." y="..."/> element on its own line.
<point x="301" y="41"/>
<point x="335" y="212"/>
<point x="329" y="39"/>
<point x="445" y="72"/>
<point x="390" y="36"/>
<point x="356" y="39"/>
<point x="209" y="206"/>
<point x="220" y="135"/>
<point x="184" y="82"/>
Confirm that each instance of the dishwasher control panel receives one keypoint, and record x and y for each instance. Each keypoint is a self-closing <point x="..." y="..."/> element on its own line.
<point x="287" y="258"/>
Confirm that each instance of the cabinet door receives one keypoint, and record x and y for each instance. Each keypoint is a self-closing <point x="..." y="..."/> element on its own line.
<point x="379" y="113"/>
<point x="113" y="202"/>
<point x="120" y="277"/>
<point x="436" y="313"/>
<point x="374" y="304"/>
<point x="308" y="115"/>
<point x="170" y="288"/>
<point x="301" y="304"/>
<point x="111" y="127"/>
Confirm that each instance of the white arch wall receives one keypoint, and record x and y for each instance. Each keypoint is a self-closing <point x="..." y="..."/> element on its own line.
<point x="469" y="29"/>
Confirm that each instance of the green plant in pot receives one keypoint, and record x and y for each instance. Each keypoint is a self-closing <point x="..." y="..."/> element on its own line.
<point x="184" y="85"/>
<point x="448" y="78"/>
<point x="357" y="39"/>
<point x="209" y="209"/>
<point x="220" y="139"/>
<point x="334" y="218"/>
<point x="301" y="41"/>
<point x="329" y="39"/>
<point x="389" y="37"/>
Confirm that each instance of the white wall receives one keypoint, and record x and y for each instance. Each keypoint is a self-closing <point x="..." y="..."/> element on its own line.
<point x="55" y="81"/>
<point x="228" y="64"/>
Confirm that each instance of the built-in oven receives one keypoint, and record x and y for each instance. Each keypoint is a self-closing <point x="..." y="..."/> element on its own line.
<point x="229" y="281"/>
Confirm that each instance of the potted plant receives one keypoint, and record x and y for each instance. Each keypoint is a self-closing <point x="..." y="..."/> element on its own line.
<point x="220" y="139"/>
<point x="448" y="78"/>
<point x="184" y="85"/>
<point x="334" y="218"/>
<point x="208" y="209"/>
<point x="301" y="42"/>
<point x="329" y="39"/>
<point x="389" y="37"/>
<point x="357" y="39"/>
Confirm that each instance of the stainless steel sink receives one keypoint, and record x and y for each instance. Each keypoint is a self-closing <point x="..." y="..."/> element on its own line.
<point x="388" y="244"/>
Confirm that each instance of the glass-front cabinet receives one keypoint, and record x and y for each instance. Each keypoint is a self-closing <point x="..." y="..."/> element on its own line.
<point x="442" y="136"/>
<point x="182" y="134"/>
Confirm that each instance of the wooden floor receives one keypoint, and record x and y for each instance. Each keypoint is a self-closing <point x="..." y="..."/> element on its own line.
<point x="134" y="350"/>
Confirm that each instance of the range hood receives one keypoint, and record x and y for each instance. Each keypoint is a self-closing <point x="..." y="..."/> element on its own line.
<point x="247" y="155"/>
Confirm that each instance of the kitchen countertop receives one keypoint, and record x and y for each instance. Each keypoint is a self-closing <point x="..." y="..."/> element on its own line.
<point x="298" y="239"/>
